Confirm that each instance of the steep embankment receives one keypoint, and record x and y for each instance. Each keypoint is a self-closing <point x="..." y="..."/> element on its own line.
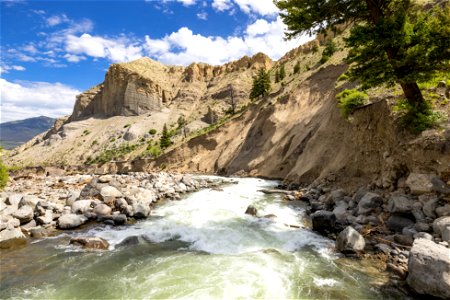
<point x="300" y="136"/>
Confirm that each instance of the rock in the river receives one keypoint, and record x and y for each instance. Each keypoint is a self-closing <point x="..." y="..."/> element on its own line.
<point x="323" y="221"/>
<point x="69" y="221"/>
<point x="350" y="241"/>
<point x="11" y="238"/>
<point x="251" y="210"/>
<point x="120" y="219"/>
<point x="420" y="183"/>
<point x="81" y="206"/>
<point x="24" y="214"/>
<point x="102" y="210"/>
<point x="141" y="211"/>
<point x="429" y="269"/>
<point x="90" y="242"/>
<point x="370" y="202"/>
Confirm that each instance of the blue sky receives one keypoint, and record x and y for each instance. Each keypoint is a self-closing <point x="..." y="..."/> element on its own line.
<point x="53" y="50"/>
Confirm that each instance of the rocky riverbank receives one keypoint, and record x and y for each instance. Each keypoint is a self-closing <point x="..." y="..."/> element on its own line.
<point x="409" y="227"/>
<point x="36" y="205"/>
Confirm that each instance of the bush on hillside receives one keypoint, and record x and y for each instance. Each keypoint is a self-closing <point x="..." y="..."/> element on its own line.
<point x="349" y="100"/>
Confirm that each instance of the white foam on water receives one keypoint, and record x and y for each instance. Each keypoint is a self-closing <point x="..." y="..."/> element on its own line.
<point x="215" y="222"/>
<point x="322" y="282"/>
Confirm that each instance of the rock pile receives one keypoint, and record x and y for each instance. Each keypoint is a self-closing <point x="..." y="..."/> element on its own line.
<point x="390" y="222"/>
<point x="38" y="205"/>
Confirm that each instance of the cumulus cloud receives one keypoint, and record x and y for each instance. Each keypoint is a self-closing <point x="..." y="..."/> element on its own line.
<point x="116" y="50"/>
<point x="260" y="7"/>
<point x="202" y="16"/>
<point x="23" y="100"/>
<point x="184" y="47"/>
<point x="5" y="68"/>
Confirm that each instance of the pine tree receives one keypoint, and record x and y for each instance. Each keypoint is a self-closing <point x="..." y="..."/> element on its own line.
<point x="261" y="84"/>
<point x="165" y="141"/>
<point x="277" y="76"/>
<point x="393" y="41"/>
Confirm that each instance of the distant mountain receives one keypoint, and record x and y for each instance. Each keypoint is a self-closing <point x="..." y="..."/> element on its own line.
<point x="16" y="133"/>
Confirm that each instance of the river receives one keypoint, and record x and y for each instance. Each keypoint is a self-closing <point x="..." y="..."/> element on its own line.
<point x="202" y="247"/>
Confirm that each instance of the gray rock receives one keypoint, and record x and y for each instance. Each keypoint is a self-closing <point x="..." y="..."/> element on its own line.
<point x="120" y="203"/>
<point x="429" y="208"/>
<point x="130" y="136"/>
<point x="140" y="211"/>
<point x="445" y="234"/>
<point x="403" y="239"/>
<point x="2" y="205"/>
<point x="110" y="192"/>
<point x="420" y="183"/>
<point x="89" y="190"/>
<point x="14" y="199"/>
<point x="81" y="206"/>
<point x="323" y="221"/>
<point x="24" y="214"/>
<point x="400" y="204"/>
<point x="396" y="222"/>
<point x="440" y="224"/>
<point x="47" y="218"/>
<point x="69" y="221"/>
<point x="120" y="219"/>
<point x="341" y="212"/>
<point x="443" y="211"/>
<point x="251" y="210"/>
<point x="423" y="235"/>
<point x="369" y="203"/>
<point x="90" y="242"/>
<point x="130" y="241"/>
<point x="29" y="200"/>
<point x="440" y="186"/>
<point x="386" y="249"/>
<point x="102" y="210"/>
<point x="359" y="194"/>
<point x="422" y="227"/>
<point x="11" y="238"/>
<point x="350" y="241"/>
<point x="429" y="269"/>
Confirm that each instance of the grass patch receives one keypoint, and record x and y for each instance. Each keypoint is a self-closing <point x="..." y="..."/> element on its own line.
<point x="349" y="100"/>
<point x="112" y="154"/>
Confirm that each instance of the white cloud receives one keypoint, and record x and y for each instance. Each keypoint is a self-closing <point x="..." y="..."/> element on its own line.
<point x="117" y="50"/>
<point x="30" y="99"/>
<point x="184" y="47"/>
<point x="202" y="16"/>
<point x="56" y="20"/>
<point x="74" y="58"/>
<point x="5" y="68"/>
<point x="222" y="5"/>
<point x="187" y="2"/>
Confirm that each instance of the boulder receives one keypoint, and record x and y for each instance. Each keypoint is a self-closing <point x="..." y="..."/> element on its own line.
<point x="29" y="200"/>
<point x="429" y="208"/>
<point x="420" y="183"/>
<point x="102" y="210"/>
<point x="369" y="203"/>
<point x="69" y="221"/>
<point x="89" y="190"/>
<point x="120" y="219"/>
<point x="445" y="234"/>
<point x="11" y="238"/>
<point x="141" y="211"/>
<point x="110" y="192"/>
<point x="440" y="186"/>
<point x="129" y="241"/>
<point x="323" y="221"/>
<point x="81" y="206"/>
<point x="24" y="214"/>
<point x="440" y="224"/>
<point x="429" y="269"/>
<point x="47" y="218"/>
<point x="341" y="213"/>
<point x="350" y="241"/>
<point x="443" y="211"/>
<point x="400" y="204"/>
<point x="251" y="210"/>
<point x="90" y="242"/>
<point x="397" y="222"/>
<point x="14" y="199"/>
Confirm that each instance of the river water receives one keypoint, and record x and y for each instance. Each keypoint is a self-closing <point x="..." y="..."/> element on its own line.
<point x="202" y="247"/>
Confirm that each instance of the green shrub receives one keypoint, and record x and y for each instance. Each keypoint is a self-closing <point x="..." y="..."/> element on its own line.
<point x="297" y="68"/>
<point x="324" y="59"/>
<point x="95" y="142"/>
<point x="418" y="119"/>
<point x="4" y="175"/>
<point x="86" y="132"/>
<point x="330" y="48"/>
<point x="126" y="125"/>
<point x="152" y="131"/>
<point x="343" y="77"/>
<point x="349" y="100"/>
